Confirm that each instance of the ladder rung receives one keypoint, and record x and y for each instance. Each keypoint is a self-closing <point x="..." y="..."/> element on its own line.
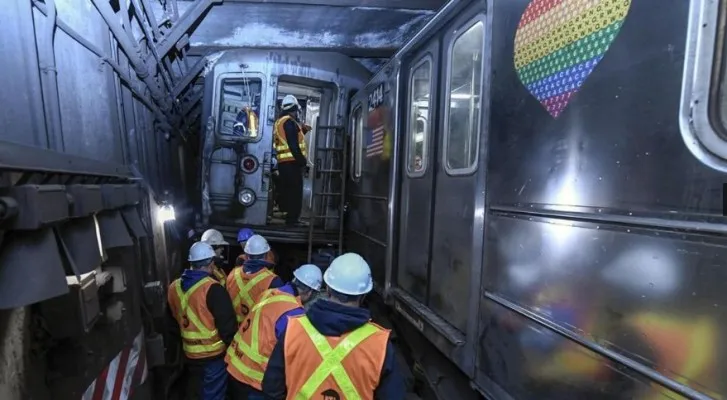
<point x="328" y="194"/>
<point x="329" y="149"/>
<point x="328" y="216"/>
<point x="330" y="127"/>
<point x="330" y="171"/>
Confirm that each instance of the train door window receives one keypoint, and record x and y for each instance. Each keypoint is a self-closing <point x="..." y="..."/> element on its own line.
<point x="703" y="111"/>
<point x="356" y="143"/>
<point x="464" y="88"/>
<point x="420" y="89"/>
<point x="240" y="107"/>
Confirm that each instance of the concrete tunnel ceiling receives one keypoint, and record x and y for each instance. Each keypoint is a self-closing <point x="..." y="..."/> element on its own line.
<point x="369" y="31"/>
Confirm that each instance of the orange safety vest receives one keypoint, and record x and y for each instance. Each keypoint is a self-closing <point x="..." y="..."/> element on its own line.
<point x="220" y="276"/>
<point x="281" y="142"/>
<point x="247" y="357"/>
<point x="200" y="338"/>
<point x="245" y="289"/>
<point x="683" y="347"/>
<point x="345" y="367"/>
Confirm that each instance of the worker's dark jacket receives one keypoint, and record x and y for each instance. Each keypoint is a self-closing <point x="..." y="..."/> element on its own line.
<point x="333" y="319"/>
<point x="291" y="136"/>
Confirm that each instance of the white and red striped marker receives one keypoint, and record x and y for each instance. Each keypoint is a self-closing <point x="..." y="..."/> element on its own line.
<point x="125" y="372"/>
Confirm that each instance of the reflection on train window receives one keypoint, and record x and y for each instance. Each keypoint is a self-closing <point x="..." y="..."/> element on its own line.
<point x="356" y="143"/>
<point x="240" y="107"/>
<point x="419" y="100"/>
<point x="721" y="65"/>
<point x="463" y="119"/>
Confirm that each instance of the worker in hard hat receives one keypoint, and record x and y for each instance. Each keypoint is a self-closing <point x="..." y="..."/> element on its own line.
<point x="292" y="156"/>
<point x="214" y="238"/>
<point x="366" y="369"/>
<point x="247" y="355"/>
<point x="204" y="318"/>
<point x="242" y="236"/>
<point x="247" y="282"/>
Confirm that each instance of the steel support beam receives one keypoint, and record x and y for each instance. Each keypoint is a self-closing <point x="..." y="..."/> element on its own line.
<point x="183" y="24"/>
<point x="385" y="4"/>
<point x="108" y="60"/>
<point x="353" y="52"/>
<point x="189" y="77"/>
<point x="49" y="79"/>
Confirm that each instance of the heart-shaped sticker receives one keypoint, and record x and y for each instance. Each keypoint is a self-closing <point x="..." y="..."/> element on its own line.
<point x="558" y="43"/>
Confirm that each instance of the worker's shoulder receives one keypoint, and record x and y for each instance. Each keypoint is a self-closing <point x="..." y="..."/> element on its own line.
<point x="379" y="328"/>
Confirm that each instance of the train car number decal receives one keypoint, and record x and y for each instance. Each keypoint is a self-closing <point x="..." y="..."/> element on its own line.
<point x="376" y="97"/>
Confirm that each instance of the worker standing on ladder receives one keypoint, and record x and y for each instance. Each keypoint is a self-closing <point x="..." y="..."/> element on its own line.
<point x="214" y="238"/>
<point x="290" y="146"/>
<point x="334" y="350"/>
<point x="247" y="282"/>
<point x="203" y="316"/>
<point x="248" y="354"/>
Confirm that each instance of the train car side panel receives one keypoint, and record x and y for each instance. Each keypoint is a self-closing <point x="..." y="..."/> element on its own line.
<point x="603" y="239"/>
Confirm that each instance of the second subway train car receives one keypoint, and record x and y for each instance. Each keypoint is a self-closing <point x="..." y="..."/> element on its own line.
<point x="538" y="186"/>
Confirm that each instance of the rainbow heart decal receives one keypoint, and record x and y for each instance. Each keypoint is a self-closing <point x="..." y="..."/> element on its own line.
<point x="558" y="43"/>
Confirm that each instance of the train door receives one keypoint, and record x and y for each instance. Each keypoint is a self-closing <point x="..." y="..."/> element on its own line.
<point x="418" y="174"/>
<point x="457" y="223"/>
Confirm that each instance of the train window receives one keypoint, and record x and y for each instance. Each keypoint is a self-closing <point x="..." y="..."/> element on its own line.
<point x="462" y="118"/>
<point x="420" y="85"/>
<point x="356" y="143"/>
<point x="703" y="111"/>
<point x="240" y="107"/>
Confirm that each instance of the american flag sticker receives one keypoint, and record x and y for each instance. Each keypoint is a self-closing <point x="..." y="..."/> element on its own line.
<point x="375" y="142"/>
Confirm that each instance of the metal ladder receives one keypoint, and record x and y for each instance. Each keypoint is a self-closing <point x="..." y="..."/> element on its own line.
<point x="331" y="161"/>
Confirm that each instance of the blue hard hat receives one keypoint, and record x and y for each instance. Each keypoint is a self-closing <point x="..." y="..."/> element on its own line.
<point x="244" y="234"/>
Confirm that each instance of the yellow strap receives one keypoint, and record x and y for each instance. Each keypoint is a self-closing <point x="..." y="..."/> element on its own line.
<point x="332" y="358"/>
<point x="184" y="309"/>
<point x="252" y="350"/>
<point x="245" y="288"/>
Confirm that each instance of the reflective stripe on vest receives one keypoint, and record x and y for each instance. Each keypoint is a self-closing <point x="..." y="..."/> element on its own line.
<point x="244" y="294"/>
<point x="220" y="276"/>
<point x="281" y="141"/>
<point x="205" y="340"/>
<point x="252" y="350"/>
<point x="332" y="358"/>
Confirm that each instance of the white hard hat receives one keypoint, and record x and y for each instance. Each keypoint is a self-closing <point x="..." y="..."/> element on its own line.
<point x="310" y="275"/>
<point x="200" y="251"/>
<point x="289" y="101"/>
<point x="349" y="274"/>
<point x="256" y="245"/>
<point x="213" y="237"/>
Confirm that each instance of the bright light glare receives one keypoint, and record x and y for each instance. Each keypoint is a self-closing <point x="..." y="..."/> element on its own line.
<point x="166" y="213"/>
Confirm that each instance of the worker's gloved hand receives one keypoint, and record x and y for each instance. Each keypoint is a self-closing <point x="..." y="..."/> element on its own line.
<point x="306" y="128"/>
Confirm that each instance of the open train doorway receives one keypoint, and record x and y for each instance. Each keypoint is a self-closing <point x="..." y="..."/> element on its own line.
<point x="323" y="179"/>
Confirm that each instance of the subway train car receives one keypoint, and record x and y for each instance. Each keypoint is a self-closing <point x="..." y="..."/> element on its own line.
<point x="237" y="164"/>
<point x="538" y="188"/>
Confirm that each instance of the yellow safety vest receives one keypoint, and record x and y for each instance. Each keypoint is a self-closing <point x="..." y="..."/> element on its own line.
<point x="244" y="294"/>
<point x="247" y="357"/>
<point x="349" y="365"/>
<point x="200" y="338"/>
<point x="281" y="142"/>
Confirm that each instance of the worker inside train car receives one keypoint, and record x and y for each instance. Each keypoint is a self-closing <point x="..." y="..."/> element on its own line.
<point x="336" y="332"/>
<point x="201" y="313"/>
<point x="292" y="156"/>
<point x="242" y="237"/>
<point x="247" y="355"/>
<point x="214" y="238"/>
<point x="247" y="282"/>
